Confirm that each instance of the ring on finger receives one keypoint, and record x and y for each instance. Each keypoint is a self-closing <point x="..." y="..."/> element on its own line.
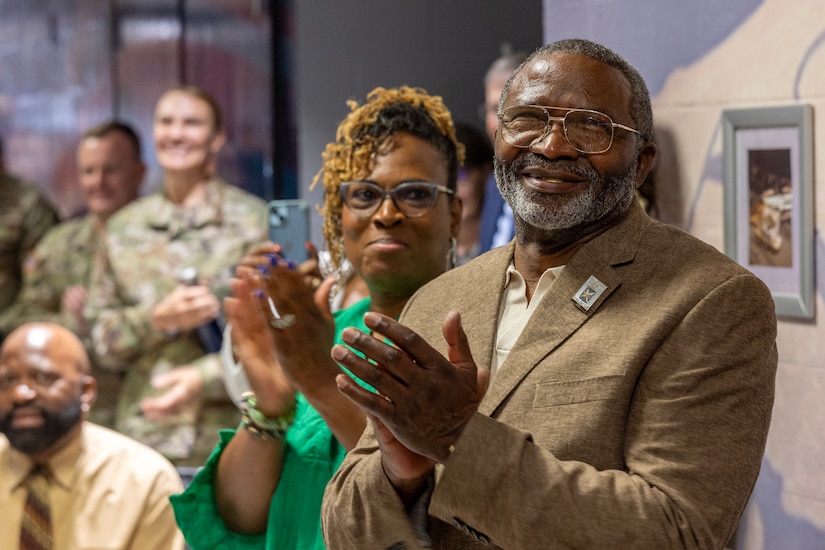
<point x="283" y="322"/>
<point x="279" y="321"/>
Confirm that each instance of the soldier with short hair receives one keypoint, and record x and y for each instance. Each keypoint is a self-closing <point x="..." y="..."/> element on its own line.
<point x="57" y="274"/>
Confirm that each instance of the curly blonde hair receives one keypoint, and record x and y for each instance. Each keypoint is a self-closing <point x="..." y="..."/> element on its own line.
<point x="366" y="132"/>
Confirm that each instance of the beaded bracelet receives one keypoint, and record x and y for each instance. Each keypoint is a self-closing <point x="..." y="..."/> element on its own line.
<point x="258" y="424"/>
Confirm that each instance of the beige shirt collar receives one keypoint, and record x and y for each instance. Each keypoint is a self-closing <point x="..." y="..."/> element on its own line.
<point x="515" y="310"/>
<point x="62" y="466"/>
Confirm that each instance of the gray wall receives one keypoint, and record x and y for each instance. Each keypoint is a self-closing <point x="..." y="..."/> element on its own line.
<point x="345" y="49"/>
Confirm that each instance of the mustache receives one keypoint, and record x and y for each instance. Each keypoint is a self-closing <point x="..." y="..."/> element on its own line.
<point x="529" y="159"/>
<point x="6" y="418"/>
<point x="18" y="406"/>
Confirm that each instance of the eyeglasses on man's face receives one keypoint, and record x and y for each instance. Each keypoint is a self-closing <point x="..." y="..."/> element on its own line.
<point x="586" y="131"/>
<point x="35" y="378"/>
<point x="412" y="198"/>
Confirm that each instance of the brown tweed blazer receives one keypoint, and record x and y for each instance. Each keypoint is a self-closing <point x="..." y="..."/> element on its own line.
<point x="639" y="423"/>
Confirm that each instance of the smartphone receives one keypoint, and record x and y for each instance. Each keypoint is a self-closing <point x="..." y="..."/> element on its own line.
<point x="289" y="227"/>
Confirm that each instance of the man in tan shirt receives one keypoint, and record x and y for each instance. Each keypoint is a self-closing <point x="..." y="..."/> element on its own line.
<point x="104" y="490"/>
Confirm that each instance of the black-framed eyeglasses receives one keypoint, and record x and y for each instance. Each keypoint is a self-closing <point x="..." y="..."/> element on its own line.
<point x="586" y="131"/>
<point x="412" y="198"/>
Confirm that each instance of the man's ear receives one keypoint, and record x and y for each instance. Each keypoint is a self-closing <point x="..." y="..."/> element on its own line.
<point x="88" y="392"/>
<point x="645" y="162"/>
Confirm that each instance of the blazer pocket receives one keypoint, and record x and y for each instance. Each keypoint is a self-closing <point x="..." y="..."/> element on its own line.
<point x="571" y="392"/>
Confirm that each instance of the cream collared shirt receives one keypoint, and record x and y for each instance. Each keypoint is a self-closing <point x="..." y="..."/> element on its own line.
<point x="107" y="492"/>
<point x="516" y="310"/>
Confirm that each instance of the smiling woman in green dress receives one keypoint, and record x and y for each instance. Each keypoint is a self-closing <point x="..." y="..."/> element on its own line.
<point x="389" y="181"/>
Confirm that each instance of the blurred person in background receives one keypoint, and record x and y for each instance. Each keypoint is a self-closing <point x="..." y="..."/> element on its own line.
<point x="472" y="178"/>
<point x="497" y="226"/>
<point x="58" y="272"/>
<point x="170" y="256"/>
<point x="25" y="216"/>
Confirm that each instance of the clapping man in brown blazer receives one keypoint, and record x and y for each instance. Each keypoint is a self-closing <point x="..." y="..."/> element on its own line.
<point x="605" y="381"/>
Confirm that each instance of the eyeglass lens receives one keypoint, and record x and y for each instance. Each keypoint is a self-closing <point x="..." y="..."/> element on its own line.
<point x="586" y="131"/>
<point x="412" y="199"/>
<point x="35" y="378"/>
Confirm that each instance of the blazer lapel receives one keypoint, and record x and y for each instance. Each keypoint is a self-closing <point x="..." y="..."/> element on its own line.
<point x="558" y="316"/>
<point x="480" y="316"/>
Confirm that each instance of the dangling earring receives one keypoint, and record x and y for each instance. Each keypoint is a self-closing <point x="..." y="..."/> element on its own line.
<point x="451" y="254"/>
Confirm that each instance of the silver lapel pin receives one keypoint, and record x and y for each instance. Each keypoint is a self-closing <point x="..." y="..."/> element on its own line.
<point x="589" y="293"/>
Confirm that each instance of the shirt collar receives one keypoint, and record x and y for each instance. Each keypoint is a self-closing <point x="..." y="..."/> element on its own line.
<point x="87" y="232"/>
<point x="176" y="218"/>
<point x="513" y="272"/>
<point x="62" y="466"/>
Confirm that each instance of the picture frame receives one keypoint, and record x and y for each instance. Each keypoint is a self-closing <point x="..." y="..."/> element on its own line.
<point x="768" y="200"/>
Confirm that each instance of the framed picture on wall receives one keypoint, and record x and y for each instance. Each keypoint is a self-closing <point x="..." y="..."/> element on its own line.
<point x="768" y="179"/>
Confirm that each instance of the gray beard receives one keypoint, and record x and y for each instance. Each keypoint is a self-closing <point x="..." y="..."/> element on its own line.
<point x="603" y="197"/>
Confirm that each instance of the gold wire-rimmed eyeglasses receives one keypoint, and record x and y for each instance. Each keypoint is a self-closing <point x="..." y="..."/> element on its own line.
<point x="587" y="131"/>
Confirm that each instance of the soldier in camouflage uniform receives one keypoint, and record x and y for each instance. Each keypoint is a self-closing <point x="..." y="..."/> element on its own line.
<point x="57" y="273"/>
<point x="25" y="216"/>
<point x="144" y="320"/>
